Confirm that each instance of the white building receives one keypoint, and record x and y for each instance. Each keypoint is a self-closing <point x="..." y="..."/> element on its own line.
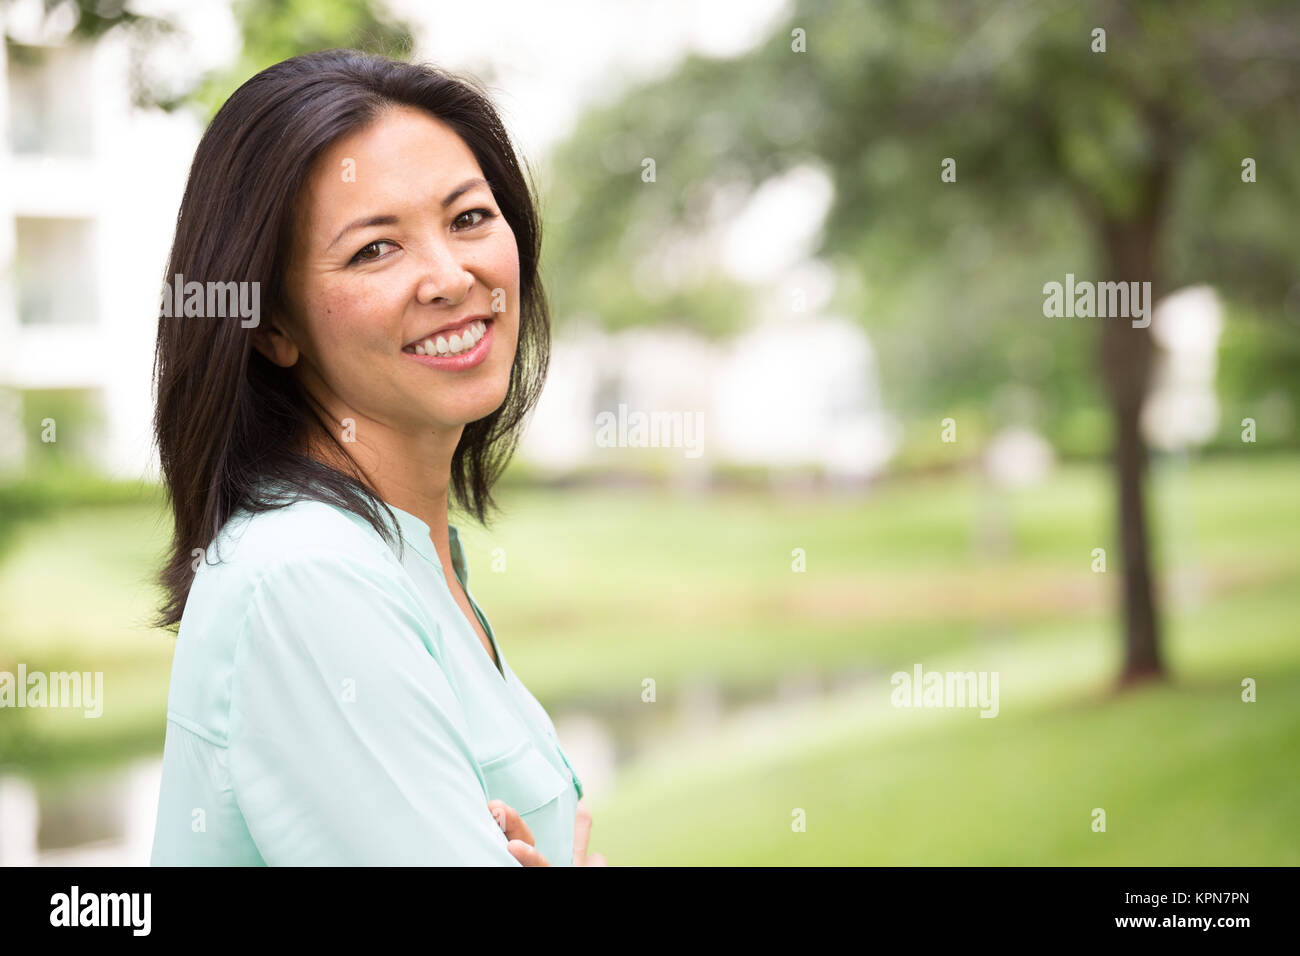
<point x="787" y="393"/>
<point x="1182" y="409"/>
<point x="87" y="210"/>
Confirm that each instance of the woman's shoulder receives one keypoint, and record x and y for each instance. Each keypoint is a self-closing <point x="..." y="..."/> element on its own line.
<point x="253" y="542"/>
<point x="292" y="562"/>
<point x="306" y="546"/>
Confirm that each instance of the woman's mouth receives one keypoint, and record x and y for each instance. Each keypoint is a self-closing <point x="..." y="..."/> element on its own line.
<point x="462" y="349"/>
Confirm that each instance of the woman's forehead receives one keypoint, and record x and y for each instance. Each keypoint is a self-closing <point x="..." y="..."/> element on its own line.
<point x="400" y="146"/>
<point x="402" y="159"/>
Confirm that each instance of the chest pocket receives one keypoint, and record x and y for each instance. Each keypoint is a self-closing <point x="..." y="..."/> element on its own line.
<point x="524" y="779"/>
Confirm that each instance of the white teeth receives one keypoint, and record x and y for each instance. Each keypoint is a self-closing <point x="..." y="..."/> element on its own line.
<point x="457" y="344"/>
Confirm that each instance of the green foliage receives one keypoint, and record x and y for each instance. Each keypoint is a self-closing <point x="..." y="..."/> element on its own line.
<point x="271" y="30"/>
<point x="19" y="502"/>
<point x="1258" y="357"/>
<point x="1055" y="145"/>
<point x="42" y="491"/>
<point x="275" y="30"/>
<point x="75" y="425"/>
<point x="91" y="19"/>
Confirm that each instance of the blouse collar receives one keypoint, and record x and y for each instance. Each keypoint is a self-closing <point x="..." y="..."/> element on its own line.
<point x="415" y="533"/>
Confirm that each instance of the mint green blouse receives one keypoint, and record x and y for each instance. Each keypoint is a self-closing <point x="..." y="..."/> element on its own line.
<point x="330" y="705"/>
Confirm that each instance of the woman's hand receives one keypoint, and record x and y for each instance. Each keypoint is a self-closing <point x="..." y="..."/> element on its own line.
<point x="581" y="834"/>
<point x="521" y="841"/>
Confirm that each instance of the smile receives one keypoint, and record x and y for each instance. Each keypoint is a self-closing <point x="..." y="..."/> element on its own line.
<point x="454" y="344"/>
<point x="463" y="349"/>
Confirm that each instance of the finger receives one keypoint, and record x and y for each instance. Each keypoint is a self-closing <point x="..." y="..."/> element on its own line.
<point x="581" y="834"/>
<point x="526" y="854"/>
<point x="510" y="822"/>
<point x="596" y="859"/>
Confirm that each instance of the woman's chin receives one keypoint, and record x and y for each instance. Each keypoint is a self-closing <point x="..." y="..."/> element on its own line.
<point x="467" y="412"/>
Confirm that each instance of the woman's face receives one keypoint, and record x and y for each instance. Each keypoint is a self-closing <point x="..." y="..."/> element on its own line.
<point x="398" y="243"/>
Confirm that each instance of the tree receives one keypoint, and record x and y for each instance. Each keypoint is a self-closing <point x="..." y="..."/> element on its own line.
<point x="271" y="30"/>
<point x="1121" y="155"/>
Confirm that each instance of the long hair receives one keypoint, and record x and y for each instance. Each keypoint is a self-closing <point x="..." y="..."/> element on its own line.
<point x="229" y="424"/>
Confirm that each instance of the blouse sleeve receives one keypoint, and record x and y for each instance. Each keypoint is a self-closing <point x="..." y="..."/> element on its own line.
<point x="347" y="742"/>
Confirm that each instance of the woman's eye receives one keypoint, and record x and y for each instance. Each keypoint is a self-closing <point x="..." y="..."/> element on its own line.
<point x="370" y="251"/>
<point x="483" y="216"/>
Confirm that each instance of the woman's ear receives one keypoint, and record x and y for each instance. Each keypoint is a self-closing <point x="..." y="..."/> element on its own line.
<point x="275" y="344"/>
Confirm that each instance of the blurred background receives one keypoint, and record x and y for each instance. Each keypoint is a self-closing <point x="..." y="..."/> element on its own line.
<point x="807" y="423"/>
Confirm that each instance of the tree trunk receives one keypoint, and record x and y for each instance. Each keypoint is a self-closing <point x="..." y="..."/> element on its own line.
<point x="1130" y="250"/>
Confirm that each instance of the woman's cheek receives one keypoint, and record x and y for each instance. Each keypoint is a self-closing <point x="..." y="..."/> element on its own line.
<point x="354" y="322"/>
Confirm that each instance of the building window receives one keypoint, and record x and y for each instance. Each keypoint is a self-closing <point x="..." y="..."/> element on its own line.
<point x="50" y="111"/>
<point x="56" y="271"/>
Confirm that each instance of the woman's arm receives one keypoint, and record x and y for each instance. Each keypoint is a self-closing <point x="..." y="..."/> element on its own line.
<point x="347" y="742"/>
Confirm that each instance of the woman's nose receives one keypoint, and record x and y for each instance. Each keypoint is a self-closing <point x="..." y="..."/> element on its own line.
<point x="443" y="278"/>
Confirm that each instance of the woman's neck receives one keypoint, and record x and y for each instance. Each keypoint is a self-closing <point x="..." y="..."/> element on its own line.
<point x="412" y="473"/>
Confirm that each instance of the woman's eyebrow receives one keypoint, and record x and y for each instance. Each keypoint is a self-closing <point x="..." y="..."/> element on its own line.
<point x="389" y="220"/>
<point x="463" y="188"/>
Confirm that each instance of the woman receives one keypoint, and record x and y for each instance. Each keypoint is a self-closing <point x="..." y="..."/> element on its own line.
<point x="337" y="696"/>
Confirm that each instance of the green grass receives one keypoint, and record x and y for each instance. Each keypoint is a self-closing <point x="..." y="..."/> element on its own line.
<point x="1187" y="773"/>
<point x="602" y="589"/>
<point x="77" y="593"/>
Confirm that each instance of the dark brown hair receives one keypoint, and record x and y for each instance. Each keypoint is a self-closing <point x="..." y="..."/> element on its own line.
<point x="228" y="423"/>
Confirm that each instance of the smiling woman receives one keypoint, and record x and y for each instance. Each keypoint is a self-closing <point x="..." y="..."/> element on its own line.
<point x="337" y="695"/>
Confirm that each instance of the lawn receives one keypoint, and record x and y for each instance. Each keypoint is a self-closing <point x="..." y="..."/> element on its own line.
<point x="592" y="592"/>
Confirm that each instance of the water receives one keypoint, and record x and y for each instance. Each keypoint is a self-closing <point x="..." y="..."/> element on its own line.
<point x="105" y="818"/>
